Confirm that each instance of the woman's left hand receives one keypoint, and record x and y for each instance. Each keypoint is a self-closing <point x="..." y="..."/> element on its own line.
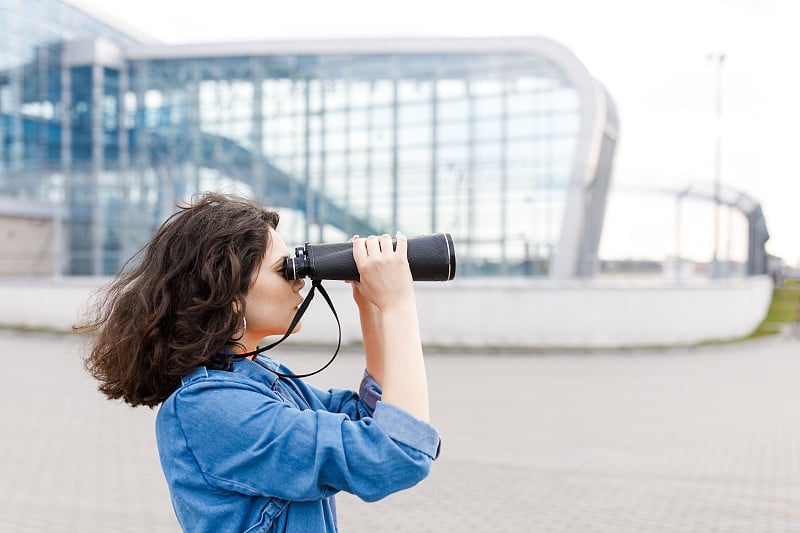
<point x="385" y="275"/>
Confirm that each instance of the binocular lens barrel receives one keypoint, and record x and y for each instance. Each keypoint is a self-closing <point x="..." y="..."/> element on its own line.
<point x="431" y="258"/>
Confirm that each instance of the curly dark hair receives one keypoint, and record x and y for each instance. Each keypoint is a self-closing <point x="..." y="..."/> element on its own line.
<point x="180" y="300"/>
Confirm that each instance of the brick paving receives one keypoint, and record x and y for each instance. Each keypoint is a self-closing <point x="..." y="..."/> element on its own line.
<point x="679" y="440"/>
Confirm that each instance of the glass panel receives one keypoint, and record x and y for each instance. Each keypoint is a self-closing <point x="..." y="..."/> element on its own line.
<point x="81" y="113"/>
<point x="504" y="120"/>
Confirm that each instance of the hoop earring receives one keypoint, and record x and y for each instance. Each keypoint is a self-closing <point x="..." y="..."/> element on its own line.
<point x="243" y="330"/>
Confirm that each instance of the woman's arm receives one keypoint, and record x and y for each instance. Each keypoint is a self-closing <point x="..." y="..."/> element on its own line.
<point x="371" y="333"/>
<point x="371" y="330"/>
<point x="251" y="441"/>
<point x="386" y="282"/>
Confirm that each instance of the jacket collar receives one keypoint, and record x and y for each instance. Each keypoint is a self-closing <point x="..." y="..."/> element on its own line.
<point x="260" y="370"/>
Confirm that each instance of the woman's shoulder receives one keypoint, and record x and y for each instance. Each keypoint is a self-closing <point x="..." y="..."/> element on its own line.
<point x="206" y="384"/>
<point x="215" y="399"/>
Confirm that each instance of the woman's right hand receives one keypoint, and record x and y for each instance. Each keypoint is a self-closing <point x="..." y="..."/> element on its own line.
<point x="365" y="306"/>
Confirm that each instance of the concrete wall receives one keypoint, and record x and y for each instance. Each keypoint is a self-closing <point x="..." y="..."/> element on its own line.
<point x="27" y="246"/>
<point x="486" y="313"/>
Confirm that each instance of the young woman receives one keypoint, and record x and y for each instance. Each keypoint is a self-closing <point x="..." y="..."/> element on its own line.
<point x="243" y="448"/>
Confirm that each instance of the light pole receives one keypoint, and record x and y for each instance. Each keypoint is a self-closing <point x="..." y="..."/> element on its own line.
<point x="717" y="60"/>
<point x="678" y="236"/>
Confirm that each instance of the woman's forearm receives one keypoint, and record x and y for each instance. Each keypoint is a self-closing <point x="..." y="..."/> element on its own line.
<point x="405" y="383"/>
<point x="372" y="335"/>
<point x="386" y="282"/>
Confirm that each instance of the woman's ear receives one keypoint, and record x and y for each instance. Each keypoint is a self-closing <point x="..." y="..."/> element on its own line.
<point x="237" y="308"/>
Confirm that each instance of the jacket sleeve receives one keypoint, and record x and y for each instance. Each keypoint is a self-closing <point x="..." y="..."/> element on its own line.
<point x="250" y="441"/>
<point x="356" y="406"/>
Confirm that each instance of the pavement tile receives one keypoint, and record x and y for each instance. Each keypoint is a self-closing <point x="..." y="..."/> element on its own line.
<point x="674" y="441"/>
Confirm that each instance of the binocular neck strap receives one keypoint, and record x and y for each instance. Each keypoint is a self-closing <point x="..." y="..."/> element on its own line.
<point x="315" y="284"/>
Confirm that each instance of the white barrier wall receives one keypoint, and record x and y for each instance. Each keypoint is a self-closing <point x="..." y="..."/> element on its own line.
<point x="486" y="312"/>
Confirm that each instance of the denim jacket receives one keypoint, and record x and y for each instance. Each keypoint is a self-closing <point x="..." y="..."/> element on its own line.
<point x="247" y="451"/>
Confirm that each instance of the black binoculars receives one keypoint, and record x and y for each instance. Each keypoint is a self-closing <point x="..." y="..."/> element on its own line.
<point x="431" y="258"/>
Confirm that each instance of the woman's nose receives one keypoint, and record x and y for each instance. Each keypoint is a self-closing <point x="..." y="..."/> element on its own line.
<point x="299" y="284"/>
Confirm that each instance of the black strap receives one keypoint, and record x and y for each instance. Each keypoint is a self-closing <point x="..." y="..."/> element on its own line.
<point x="315" y="284"/>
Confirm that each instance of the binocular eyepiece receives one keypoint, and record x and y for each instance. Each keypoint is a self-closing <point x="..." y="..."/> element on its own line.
<point x="431" y="258"/>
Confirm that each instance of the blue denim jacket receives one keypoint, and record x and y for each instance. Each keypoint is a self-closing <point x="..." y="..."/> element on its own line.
<point x="246" y="451"/>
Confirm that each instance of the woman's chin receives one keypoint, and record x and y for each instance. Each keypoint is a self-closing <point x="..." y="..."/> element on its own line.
<point x="298" y="327"/>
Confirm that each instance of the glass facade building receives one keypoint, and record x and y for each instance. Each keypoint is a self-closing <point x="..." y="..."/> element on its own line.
<point x="508" y="144"/>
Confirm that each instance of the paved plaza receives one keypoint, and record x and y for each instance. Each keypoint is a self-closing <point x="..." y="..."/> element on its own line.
<point x="678" y="440"/>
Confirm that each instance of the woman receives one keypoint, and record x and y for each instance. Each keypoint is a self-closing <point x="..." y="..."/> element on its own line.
<point x="243" y="448"/>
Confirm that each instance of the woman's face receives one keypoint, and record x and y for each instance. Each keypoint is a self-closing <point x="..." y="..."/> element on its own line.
<point x="272" y="301"/>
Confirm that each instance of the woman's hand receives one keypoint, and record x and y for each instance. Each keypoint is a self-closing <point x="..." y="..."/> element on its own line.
<point x="371" y="329"/>
<point x="385" y="275"/>
<point x="364" y="305"/>
<point x="385" y="281"/>
<point x="387" y="284"/>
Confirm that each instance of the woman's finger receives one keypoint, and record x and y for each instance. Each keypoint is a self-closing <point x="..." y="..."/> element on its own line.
<point x="386" y="243"/>
<point x="359" y="251"/>
<point x="373" y="245"/>
<point x="402" y="244"/>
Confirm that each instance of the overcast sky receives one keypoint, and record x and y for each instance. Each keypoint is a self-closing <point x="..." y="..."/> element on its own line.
<point x="652" y="58"/>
